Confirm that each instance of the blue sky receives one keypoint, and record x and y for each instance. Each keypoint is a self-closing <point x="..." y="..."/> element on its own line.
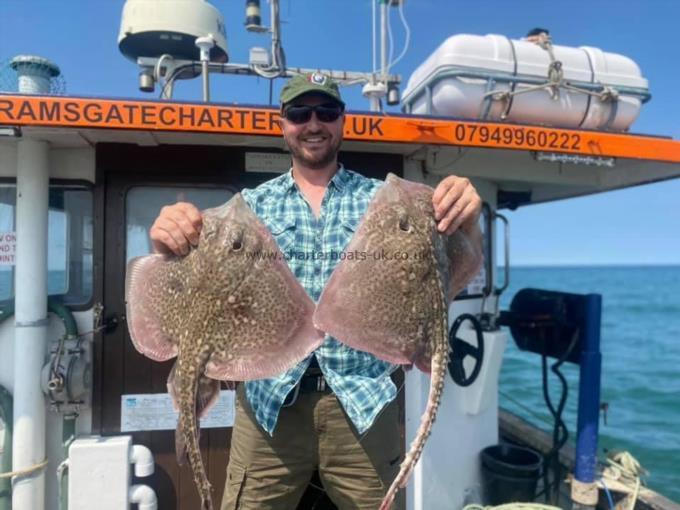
<point x="638" y="225"/>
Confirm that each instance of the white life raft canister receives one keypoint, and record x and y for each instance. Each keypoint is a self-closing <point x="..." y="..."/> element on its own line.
<point x="498" y="79"/>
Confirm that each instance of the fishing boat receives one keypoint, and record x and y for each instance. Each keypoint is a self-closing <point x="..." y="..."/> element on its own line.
<point x="87" y="420"/>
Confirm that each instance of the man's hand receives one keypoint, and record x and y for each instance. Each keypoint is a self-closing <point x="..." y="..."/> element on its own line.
<point x="176" y="229"/>
<point x="456" y="205"/>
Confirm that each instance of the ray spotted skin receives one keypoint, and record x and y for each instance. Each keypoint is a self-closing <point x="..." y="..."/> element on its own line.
<point x="230" y="310"/>
<point x="391" y="296"/>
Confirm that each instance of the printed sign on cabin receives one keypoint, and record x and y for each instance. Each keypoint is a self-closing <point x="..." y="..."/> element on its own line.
<point x="8" y="244"/>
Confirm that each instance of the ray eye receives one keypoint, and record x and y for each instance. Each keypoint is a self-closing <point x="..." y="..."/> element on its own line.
<point x="404" y="223"/>
<point x="237" y="241"/>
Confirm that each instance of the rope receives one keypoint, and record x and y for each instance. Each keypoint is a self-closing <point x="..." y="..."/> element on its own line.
<point x="610" y="500"/>
<point x="555" y="82"/>
<point x="623" y="464"/>
<point x="512" y="506"/>
<point x="625" y="468"/>
<point x="24" y="472"/>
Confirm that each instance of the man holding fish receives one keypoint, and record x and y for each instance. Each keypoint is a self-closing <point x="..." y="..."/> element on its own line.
<point x="336" y="410"/>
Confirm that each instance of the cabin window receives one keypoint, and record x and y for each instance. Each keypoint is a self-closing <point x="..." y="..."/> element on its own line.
<point x="480" y="285"/>
<point x="143" y="203"/>
<point x="69" y="248"/>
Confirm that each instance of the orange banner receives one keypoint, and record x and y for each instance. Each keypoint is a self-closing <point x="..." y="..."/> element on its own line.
<point x="188" y="117"/>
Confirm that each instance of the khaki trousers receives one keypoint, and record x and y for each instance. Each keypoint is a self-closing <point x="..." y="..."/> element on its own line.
<point x="271" y="473"/>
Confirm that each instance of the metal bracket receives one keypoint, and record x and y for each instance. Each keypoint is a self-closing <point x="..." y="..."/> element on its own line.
<point x="67" y="377"/>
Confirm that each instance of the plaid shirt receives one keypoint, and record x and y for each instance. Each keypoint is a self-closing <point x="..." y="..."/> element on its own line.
<point x="361" y="382"/>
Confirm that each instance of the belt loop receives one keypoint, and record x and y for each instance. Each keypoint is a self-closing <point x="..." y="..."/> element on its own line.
<point x="320" y="383"/>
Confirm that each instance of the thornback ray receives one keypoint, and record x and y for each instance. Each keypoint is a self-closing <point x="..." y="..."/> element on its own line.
<point x="229" y="310"/>
<point x="392" y="299"/>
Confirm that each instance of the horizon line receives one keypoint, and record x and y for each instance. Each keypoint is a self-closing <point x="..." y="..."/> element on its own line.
<point x="594" y="264"/>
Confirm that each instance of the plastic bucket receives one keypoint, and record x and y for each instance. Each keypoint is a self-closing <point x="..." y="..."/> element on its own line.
<point x="509" y="473"/>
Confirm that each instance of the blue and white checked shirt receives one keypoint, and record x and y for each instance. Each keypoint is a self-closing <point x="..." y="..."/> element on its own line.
<point x="361" y="382"/>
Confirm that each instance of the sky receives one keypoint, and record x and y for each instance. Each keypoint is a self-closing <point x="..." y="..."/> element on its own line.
<point x="634" y="226"/>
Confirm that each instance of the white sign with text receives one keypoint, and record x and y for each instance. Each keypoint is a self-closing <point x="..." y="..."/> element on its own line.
<point x="154" y="411"/>
<point x="269" y="162"/>
<point x="8" y="248"/>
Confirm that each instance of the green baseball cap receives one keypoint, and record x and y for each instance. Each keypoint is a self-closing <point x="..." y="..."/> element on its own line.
<point x="318" y="83"/>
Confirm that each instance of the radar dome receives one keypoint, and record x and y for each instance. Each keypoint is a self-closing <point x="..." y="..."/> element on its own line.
<point x="151" y="28"/>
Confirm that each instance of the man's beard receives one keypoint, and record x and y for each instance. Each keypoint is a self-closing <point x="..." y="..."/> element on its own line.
<point x="319" y="160"/>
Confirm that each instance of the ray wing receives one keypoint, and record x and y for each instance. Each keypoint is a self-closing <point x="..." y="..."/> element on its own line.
<point x="376" y="304"/>
<point x="387" y="306"/>
<point x="153" y="297"/>
<point x="265" y="326"/>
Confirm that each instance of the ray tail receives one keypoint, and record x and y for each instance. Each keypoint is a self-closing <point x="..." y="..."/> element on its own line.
<point x="439" y="364"/>
<point x="186" y="435"/>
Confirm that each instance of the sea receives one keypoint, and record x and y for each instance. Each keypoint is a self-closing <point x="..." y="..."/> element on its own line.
<point x="640" y="346"/>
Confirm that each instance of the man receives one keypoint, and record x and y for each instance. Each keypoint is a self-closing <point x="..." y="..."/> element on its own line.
<point x="336" y="411"/>
<point x="539" y="36"/>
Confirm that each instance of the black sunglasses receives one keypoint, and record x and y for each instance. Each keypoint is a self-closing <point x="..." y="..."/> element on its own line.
<point x="303" y="113"/>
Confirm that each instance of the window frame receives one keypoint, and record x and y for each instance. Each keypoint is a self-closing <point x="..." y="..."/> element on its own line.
<point x="85" y="185"/>
<point x="172" y="184"/>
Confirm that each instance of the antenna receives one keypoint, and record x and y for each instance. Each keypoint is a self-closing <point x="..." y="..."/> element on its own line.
<point x="164" y="37"/>
<point x="254" y="17"/>
<point x="169" y="39"/>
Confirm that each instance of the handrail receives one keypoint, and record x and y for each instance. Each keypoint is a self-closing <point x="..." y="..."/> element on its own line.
<point x="57" y="308"/>
<point x="506" y="254"/>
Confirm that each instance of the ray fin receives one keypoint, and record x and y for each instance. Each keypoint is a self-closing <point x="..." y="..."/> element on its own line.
<point x="144" y="322"/>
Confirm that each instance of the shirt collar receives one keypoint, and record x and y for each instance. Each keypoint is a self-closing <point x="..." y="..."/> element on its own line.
<point x="288" y="183"/>
<point x="339" y="180"/>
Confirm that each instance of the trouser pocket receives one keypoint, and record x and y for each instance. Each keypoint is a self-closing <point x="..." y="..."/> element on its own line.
<point x="233" y="488"/>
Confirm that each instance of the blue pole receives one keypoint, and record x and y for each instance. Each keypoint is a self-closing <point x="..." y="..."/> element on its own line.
<point x="589" y="391"/>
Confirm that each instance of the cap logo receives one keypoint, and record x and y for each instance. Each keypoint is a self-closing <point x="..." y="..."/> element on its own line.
<point x="318" y="78"/>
